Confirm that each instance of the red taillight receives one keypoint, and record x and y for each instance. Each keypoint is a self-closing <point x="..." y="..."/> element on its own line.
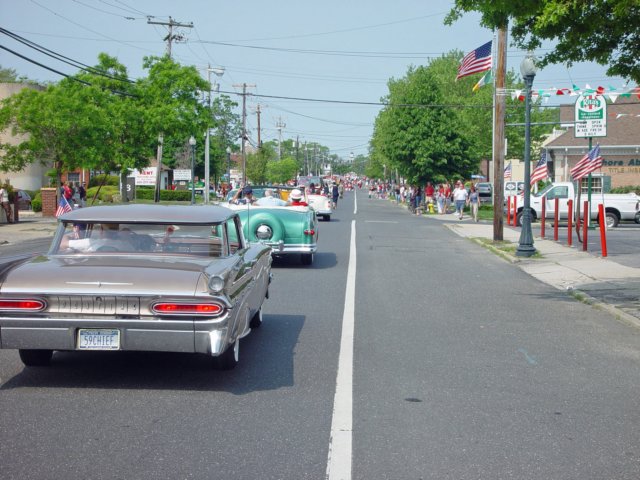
<point x="310" y="232"/>
<point x="207" y="309"/>
<point x="22" y="304"/>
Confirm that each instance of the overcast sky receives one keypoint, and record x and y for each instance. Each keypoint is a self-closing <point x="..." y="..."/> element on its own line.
<point x="327" y="50"/>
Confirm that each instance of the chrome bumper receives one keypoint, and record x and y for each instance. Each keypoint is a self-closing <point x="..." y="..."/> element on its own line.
<point x="153" y="334"/>
<point x="288" y="249"/>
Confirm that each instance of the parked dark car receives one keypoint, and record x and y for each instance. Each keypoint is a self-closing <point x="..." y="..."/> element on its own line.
<point x="23" y="200"/>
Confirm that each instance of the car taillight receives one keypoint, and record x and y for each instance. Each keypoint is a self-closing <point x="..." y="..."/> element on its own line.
<point x="310" y="232"/>
<point x="23" y="304"/>
<point x="204" y="309"/>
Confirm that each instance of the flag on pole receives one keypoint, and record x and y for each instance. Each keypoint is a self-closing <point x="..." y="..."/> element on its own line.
<point x="486" y="79"/>
<point x="540" y="171"/>
<point x="63" y="206"/>
<point x="591" y="162"/>
<point x="507" y="172"/>
<point x="476" y="61"/>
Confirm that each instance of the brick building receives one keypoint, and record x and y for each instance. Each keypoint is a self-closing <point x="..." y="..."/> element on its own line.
<point x="620" y="149"/>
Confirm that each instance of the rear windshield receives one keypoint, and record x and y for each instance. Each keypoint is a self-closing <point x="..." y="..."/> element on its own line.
<point x="140" y="239"/>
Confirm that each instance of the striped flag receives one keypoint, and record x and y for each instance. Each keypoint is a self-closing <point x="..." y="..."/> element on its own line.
<point x="63" y="206"/>
<point x="478" y="60"/>
<point x="591" y="162"/>
<point x="507" y="172"/>
<point x="486" y="79"/>
<point x="540" y="171"/>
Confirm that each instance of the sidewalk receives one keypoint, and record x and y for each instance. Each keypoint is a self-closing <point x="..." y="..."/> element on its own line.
<point x="31" y="225"/>
<point x="598" y="281"/>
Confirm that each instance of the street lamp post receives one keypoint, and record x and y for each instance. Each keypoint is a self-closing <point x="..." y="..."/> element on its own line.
<point x="219" y="71"/>
<point x="229" y="166"/>
<point x="192" y="142"/>
<point x="525" y="247"/>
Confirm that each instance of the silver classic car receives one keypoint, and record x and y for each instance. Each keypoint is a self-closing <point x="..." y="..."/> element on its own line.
<point x="137" y="277"/>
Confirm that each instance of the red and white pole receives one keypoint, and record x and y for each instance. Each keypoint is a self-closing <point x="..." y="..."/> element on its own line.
<point x="603" y="230"/>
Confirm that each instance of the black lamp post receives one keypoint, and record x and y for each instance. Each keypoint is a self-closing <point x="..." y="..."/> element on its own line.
<point x="525" y="247"/>
<point x="192" y="142"/>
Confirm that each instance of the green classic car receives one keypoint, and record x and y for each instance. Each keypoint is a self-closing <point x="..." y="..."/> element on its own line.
<point x="288" y="230"/>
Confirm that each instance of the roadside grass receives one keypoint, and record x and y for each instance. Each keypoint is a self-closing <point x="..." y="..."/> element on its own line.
<point x="503" y="248"/>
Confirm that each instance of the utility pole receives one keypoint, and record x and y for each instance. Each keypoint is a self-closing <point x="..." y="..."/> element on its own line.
<point x="259" y="129"/>
<point x="280" y="126"/>
<point x="171" y="36"/>
<point x="498" y="137"/>
<point x="244" y="129"/>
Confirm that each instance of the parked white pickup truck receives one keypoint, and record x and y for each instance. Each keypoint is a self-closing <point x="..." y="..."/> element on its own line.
<point x="617" y="207"/>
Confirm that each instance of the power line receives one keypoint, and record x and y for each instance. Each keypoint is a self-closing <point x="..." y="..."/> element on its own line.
<point x="62" y="58"/>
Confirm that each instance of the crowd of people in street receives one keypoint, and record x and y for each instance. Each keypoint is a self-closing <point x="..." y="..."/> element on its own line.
<point x="437" y="199"/>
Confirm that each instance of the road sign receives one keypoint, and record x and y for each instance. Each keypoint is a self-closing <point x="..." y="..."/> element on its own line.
<point x="590" y="116"/>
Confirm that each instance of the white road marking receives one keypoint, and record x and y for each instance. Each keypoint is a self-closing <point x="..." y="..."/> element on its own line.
<point x="340" y="444"/>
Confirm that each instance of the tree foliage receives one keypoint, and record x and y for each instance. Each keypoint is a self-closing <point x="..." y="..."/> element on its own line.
<point x="101" y="120"/>
<point x="435" y="128"/>
<point x="603" y="31"/>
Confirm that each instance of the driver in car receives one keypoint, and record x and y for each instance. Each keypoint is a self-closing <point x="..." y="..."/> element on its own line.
<point x="107" y="237"/>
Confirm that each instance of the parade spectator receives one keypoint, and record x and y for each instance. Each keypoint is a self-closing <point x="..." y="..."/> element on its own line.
<point x="4" y="199"/>
<point x="428" y="193"/>
<point x="67" y="192"/>
<point x="335" y="193"/>
<point x="418" y="197"/>
<point x="473" y="201"/>
<point x="83" y="195"/>
<point x="447" y="196"/>
<point x="441" y="199"/>
<point x="460" y="196"/>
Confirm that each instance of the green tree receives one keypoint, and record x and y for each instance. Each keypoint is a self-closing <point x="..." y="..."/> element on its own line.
<point x="280" y="171"/>
<point x="418" y="135"/>
<point x="603" y="31"/>
<point x="257" y="164"/>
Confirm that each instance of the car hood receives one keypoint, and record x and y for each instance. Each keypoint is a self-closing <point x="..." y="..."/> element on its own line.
<point x="105" y="274"/>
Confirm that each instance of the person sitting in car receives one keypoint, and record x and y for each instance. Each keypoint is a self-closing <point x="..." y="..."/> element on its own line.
<point x="295" y="199"/>
<point x="246" y="198"/>
<point x="269" y="200"/>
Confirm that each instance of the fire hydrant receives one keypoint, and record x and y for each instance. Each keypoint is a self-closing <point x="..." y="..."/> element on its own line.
<point x="431" y="208"/>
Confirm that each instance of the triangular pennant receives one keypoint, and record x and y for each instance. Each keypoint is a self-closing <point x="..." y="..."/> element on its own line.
<point x="613" y="97"/>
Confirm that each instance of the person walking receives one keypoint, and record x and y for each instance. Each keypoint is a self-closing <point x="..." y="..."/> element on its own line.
<point x="447" y="197"/>
<point x="473" y="201"/>
<point x="4" y="199"/>
<point x="440" y="199"/>
<point x="83" y="195"/>
<point x="460" y="196"/>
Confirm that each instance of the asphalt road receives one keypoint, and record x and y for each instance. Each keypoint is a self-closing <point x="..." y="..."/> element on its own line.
<point x="464" y="368"/>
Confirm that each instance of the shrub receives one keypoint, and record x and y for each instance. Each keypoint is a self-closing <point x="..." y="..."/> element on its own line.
<point x="627" y="189"/>
<point x="36" y="202"/>
<point x="105" y="196"/>
<point x="147" y="193"/>
<point x="112" y="180"/>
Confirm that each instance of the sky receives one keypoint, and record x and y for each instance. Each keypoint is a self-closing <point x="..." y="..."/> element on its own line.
<point x="299" y="57"/>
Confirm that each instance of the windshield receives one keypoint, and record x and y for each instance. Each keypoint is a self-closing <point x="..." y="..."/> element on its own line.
<point x="543" y="191"/>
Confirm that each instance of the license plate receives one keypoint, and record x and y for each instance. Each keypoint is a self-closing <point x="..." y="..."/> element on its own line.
<point x="98" y="339"/>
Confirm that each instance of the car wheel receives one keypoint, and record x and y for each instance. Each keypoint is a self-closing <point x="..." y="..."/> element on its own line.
<point x="519" y="219"/>
<point x="229" y="358"/>
<point x="611" y="219"/>
<point x="36" y="358"/>
<point x="637" y="219"/>
<point x="256" y="321"/>
<point x="307" y="258"/>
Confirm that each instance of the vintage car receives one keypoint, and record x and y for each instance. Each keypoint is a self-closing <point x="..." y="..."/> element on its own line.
<point x="162" y="278"/>
<point x="288" y="230"/>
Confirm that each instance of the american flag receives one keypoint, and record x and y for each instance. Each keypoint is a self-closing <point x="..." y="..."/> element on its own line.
<point x="507" y="172"/>
<point x="63" y="206"/>
<point x="540" y="171"/>
<point x="478" y="60"/>
<point x="591" y="162"/>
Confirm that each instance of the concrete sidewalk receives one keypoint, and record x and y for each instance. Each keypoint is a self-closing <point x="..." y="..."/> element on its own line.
<point x="601" y="282"/>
